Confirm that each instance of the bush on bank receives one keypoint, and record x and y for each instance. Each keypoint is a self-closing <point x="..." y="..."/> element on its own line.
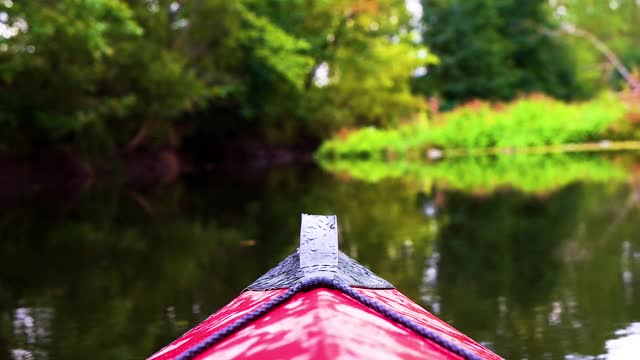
<point x="532" y="121"/>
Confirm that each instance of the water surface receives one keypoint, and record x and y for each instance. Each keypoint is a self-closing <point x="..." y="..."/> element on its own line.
<point x="114" y="272"/>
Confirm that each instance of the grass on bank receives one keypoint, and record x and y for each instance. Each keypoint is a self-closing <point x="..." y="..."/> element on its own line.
<point x="485" y="174"/>
<point x="528" y="122"/>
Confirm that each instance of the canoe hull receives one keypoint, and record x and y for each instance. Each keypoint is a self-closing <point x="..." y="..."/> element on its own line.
<point x="323" y="324"/>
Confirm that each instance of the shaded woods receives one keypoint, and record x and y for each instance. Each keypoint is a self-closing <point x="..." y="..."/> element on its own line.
<point x="111" y="80"/>
<point x="114" y="76"/>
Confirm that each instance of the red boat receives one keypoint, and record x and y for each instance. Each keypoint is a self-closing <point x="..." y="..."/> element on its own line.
<point x="319" y="303"/>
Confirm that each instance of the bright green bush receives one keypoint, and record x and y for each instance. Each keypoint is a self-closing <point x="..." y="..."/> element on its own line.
<point x="367" y="141"/>
<point x="533" y="121"/>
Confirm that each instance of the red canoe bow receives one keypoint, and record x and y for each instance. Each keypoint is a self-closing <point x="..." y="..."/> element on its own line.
<point x="320" y="304"/>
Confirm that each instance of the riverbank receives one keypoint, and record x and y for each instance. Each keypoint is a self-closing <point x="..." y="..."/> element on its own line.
<point x="62" y="170"/>
<point x="535" y="124"/>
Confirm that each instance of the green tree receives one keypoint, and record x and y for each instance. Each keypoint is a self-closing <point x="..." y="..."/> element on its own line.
<point x="369" y="58"/>
<point x="495" y="50"/>
<point x="611" y="24"/>
<point x="115" y="73"/>
<point x="70" y="65"/>
<point x="357" y="59"/>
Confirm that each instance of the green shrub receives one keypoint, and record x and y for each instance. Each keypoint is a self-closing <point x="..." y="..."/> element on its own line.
<point x="532" y="121"/>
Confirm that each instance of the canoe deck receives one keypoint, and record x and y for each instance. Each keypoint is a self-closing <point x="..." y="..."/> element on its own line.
<point x="322" y="324"/>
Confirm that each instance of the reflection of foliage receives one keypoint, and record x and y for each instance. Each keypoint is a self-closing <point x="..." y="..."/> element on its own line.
<point x="382" y="227"/>
<point x="108" y="269"/>
<point x="536" y="276"/>
<point x="500" y="244"/>
<point x="527" y="173"/>
<point x="126" y="273"/>
<point x="379" y="224"/>
<point x="527" y="122"/>
<point x="117" y="266"/>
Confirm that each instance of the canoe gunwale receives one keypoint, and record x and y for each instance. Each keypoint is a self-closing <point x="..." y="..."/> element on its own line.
<point x="315" y="282"/>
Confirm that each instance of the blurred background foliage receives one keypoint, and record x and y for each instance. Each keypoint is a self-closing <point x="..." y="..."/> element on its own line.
<point x="500" y="49"/>
<point x="108" y="75"/>
<point x="496" y="50"/>
<point x="83" y="70"/>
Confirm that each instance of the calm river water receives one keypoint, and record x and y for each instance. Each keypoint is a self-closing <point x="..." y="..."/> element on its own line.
<point x="114" y="272"/>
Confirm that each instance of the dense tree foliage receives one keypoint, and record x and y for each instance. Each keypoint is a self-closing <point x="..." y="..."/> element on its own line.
<point x="495" y="50"/>
<point x="70" y="65"/>
<point x="593" y="24"/>
<point x="111" y="74"/>
<point x="501" y="48"/>
<point x="85" y="68"/>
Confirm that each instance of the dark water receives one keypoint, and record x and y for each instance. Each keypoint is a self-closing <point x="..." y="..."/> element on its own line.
<point x="116" y="273"/>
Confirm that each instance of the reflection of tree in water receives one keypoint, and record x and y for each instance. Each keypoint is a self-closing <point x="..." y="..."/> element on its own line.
<point x="504" y="244"/>
<point x="430" y="203"/>
<point x="509" y="275"/>
<point x="127" y="272"/>
<point x="382" y="227"/>
<point x="120" y="279"/>
<point x="501" y="246"/>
